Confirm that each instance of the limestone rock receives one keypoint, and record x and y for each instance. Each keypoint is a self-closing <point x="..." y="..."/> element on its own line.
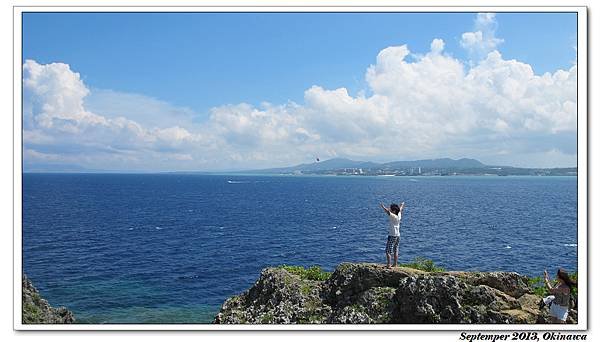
<point x="430" y="299"/>
<point x="371" y="293"/>
<point x="36" y="309"/>
<point x="277" y="297"/>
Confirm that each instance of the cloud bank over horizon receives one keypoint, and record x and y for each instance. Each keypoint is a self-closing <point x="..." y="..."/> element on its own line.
<point x="416" y="106"/>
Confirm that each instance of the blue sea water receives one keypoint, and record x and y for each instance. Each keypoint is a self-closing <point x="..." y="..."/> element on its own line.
<point x="170" y="248"/>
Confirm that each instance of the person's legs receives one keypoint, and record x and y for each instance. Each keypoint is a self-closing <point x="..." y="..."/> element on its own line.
<point x="396" y="242"/>
<point x="388" y="250"/>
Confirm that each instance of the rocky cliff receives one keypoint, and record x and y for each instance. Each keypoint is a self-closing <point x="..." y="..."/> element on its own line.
<point x="372" y="293"/>
<point x="36" y="310"/>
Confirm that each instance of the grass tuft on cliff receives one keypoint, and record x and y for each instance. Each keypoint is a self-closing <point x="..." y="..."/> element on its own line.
<point x="311" y="273"/>
<point x="423" y="264"/>
<point x="32" y="314"/>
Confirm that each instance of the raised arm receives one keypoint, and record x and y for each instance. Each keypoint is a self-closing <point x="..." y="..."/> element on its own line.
<point x="550" y="288"/>
<point x="387" y="211"/>
<point x="401" y="206"/>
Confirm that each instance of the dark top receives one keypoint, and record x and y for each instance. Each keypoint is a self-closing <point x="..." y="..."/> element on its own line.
<point x="561" y="298"/>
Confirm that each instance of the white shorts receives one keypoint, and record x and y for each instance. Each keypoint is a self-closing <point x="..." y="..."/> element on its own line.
<point x="559" y="311"/>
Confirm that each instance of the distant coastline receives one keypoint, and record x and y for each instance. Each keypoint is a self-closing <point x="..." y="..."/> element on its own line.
<point x="562" y="172"/>
<point x="306" y="174"/>
<point x="413" y="168"/>
<point x="347" y="167"/>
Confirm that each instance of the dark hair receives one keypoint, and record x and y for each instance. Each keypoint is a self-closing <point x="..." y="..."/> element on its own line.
<point x="564" y="276"/>
<point x="394" y="208"/>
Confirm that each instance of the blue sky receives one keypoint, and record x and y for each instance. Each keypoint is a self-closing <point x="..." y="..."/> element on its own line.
<point x="183" y="75"/>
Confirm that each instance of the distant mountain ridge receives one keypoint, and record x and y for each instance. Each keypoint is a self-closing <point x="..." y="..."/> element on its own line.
<point x="437" y="163"/>
<point x="342" y="163"/>
<point x="344" y="166"/>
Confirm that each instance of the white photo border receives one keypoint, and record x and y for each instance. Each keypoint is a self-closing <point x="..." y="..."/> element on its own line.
<point x="582" y="169"/>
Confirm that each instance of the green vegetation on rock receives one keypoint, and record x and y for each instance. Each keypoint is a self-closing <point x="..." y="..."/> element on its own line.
<point x="311" y="273"/>
<point x="36" y="309"/>
<point x="305" y="289"/>
<point x="32" y="313"/>
<point x="423" y="264"/>
<point x="267" y="318"/>
<point x="538" y="286"/>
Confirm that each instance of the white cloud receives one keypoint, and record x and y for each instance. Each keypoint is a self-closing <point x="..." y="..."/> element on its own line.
<point x="243" y="126"/>
<point x="470" y="39"/>
<point x="30" y="154"/>
<point x="483" y="40"/>
<point x="56" y="118"/>
<point x="431" y="105"/>
<point x="140" y="108"/>
<point x="434" y="105"/>
<point x="174" y="134"/>
<point x="55" y="98"/>
<point x="437" y="46"/>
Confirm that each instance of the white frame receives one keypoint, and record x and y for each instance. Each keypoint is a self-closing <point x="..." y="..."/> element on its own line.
<point x="582" y="168"/>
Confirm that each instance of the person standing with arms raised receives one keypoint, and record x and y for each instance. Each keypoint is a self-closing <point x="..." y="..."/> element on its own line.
<point x="559" y="306"/>
<point x="395" y="215"/>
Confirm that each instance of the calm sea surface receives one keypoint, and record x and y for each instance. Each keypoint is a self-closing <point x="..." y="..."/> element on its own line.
<point x="171" y="248"/>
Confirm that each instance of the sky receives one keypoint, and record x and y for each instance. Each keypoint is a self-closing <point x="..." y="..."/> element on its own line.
<point x="234" y="91"/>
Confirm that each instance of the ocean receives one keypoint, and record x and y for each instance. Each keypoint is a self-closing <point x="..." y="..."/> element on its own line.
<point x="170" y="248"/>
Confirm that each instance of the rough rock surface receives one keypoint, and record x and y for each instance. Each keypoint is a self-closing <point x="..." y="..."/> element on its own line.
<point x="372" y="293"/>
<point x="36" y="310"/>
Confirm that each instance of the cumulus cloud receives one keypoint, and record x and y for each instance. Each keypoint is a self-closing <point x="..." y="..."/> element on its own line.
<point x="56" y="118"/>
<point x="433" y="106"/>
<point x="55" y="98"/>
<point x="437" y="46"/>
<point x="483" y="39"/>
<point x="426" y="106"/>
